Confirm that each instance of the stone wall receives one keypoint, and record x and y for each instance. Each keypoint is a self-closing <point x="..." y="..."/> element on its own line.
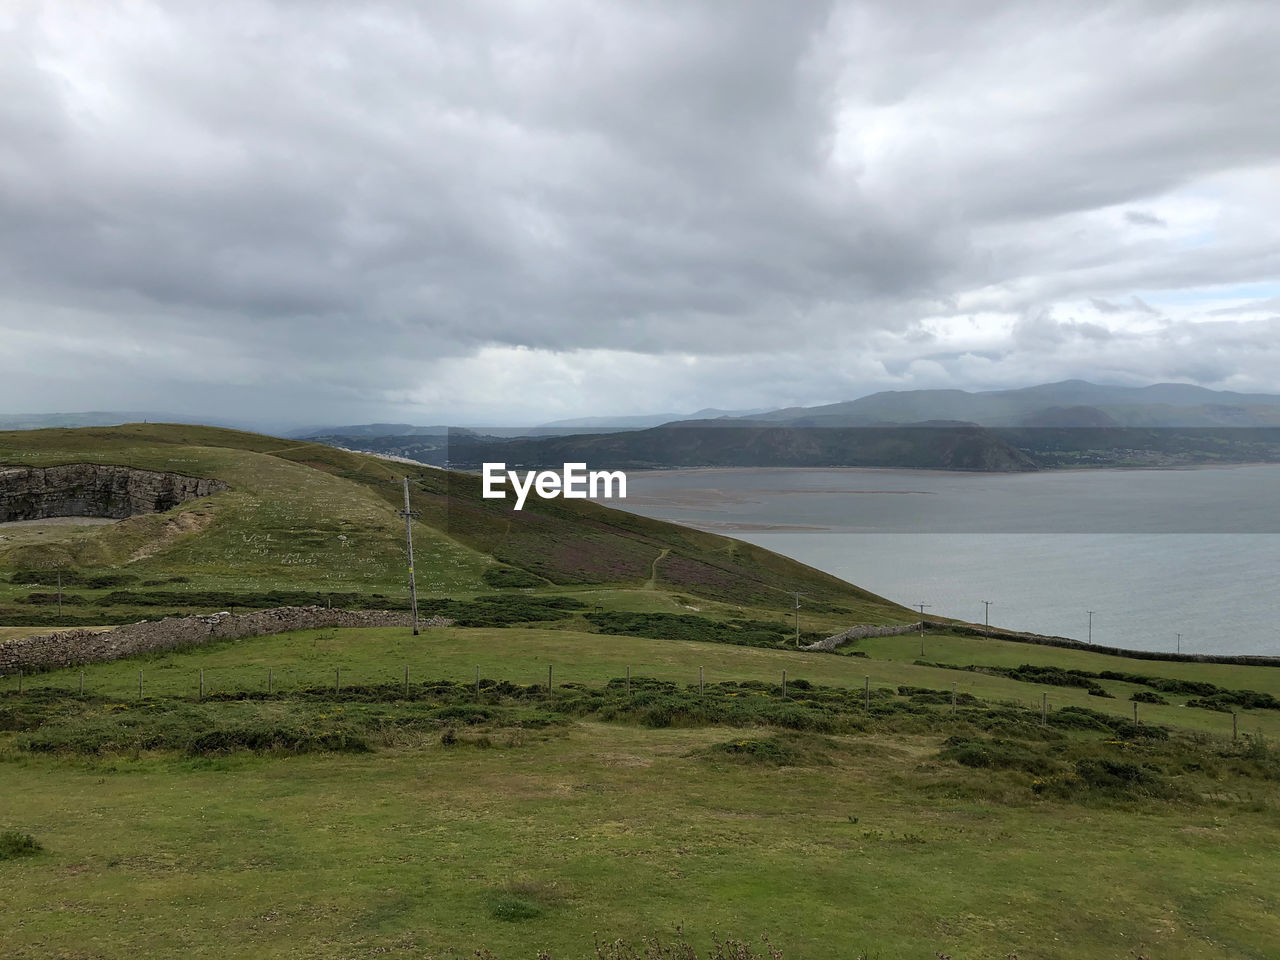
<point x="74" y="647"/>
<point x="860" y="631"/>
<point x="94" y="490"/>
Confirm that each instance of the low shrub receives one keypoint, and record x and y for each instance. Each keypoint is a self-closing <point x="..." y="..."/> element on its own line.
<point x="777" y="751"/>
<point x="14" y="845"/>
<point x="508" y="907"/>
<point x="682" y="626"/>
<point x="996" y="754"/>
<point x="1149" y="696"/>
<point x="275" y="740"/>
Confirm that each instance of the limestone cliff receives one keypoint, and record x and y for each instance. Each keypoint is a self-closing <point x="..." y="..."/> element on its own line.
<point x="94" y="490"/>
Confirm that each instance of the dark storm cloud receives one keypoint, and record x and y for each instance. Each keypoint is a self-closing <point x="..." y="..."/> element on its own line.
<point x="350" y="208"/>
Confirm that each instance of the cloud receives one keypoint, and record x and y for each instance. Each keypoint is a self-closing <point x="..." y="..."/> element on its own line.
<point x="333" y="210"/>
<point x="1144" y="219"/>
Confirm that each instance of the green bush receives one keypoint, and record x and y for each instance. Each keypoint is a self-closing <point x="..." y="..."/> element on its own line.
<point x="682" y="626"/>
<point x="1148" y="696"/>
<point x="14" y="845"/>
<point x="786" y="750"/>
<point x="511" y="908"/>
<point x="996" y="754"/>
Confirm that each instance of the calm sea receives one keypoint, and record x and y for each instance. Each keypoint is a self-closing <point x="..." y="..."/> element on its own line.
<point x="1153" y="553"/>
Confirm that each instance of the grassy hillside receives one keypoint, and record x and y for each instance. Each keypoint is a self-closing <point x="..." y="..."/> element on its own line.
<point x="433" y="822"/>
<point x="304" y="522"/>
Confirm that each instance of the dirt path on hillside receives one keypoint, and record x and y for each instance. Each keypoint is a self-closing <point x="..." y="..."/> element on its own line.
<point x="653" y="570"/>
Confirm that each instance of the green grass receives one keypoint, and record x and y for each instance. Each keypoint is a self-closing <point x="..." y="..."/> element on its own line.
<point x="414" y="850"/>
<point x="518" y="831"/>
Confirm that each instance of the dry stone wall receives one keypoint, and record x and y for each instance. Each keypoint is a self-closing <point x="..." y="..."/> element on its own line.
<point x="73" y="647"/>
<point x="94" y="490"/>
<point x="860" y="631"/>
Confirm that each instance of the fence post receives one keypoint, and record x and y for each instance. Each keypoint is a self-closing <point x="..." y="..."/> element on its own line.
<point x="337" y="679"/>
<point x="784" y="684"/>
<point x="269" y="681"/>
<point x="19" y="681"/>
<point x="201" y="683"/>
<point x="406" y="679"/>
<point x="701" y="686"/>
<point x="953" y="698"/>
<point x="82" y="683"/>
<point x="549" y="688"/>
<point x="1235" y="724"/>
<point x="628" y="681"/>
<point x="1135" y="711"/>
<point x="1044" y="708"/>
<point x="139" y="683"/>
<point x="477" y="682"/>
<point x="866" y="694"/>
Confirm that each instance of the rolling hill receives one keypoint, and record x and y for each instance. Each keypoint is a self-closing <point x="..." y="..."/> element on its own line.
<point x="307" y="522"/>
<point x="1056" y="425"/>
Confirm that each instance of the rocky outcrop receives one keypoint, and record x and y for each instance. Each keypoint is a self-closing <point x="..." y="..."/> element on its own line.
<point x="73" y="647"/>
<point x="94" y="490"/>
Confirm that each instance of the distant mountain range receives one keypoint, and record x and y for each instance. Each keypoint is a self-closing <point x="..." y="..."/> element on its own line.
<point x="1071" y="403"/>
<point x="1068" y="424"/>
<point x="1053" y="425"/>
<point x="592" y="424"/>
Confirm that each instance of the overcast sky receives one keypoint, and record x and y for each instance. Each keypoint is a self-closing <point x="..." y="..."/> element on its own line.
<point x="513" y="212"/>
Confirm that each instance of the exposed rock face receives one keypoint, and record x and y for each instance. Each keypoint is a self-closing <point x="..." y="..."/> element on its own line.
<point x="94" y="490"/>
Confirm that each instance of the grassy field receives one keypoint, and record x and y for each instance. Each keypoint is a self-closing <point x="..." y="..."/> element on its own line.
<point x="522" y="829"/>
<point x="962" y="650"/>
<point x="522" y="655"/>
<point x="422" y="850"/>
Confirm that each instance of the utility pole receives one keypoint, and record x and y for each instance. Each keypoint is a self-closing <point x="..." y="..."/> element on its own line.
<point x="986" y="620"/>
<point x="409" y="515"/>
<point x="797" y="594"/>
<point x="922" y="606"/>
<point x="1179" y="643"/>
<point x="1090" y="612"/>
